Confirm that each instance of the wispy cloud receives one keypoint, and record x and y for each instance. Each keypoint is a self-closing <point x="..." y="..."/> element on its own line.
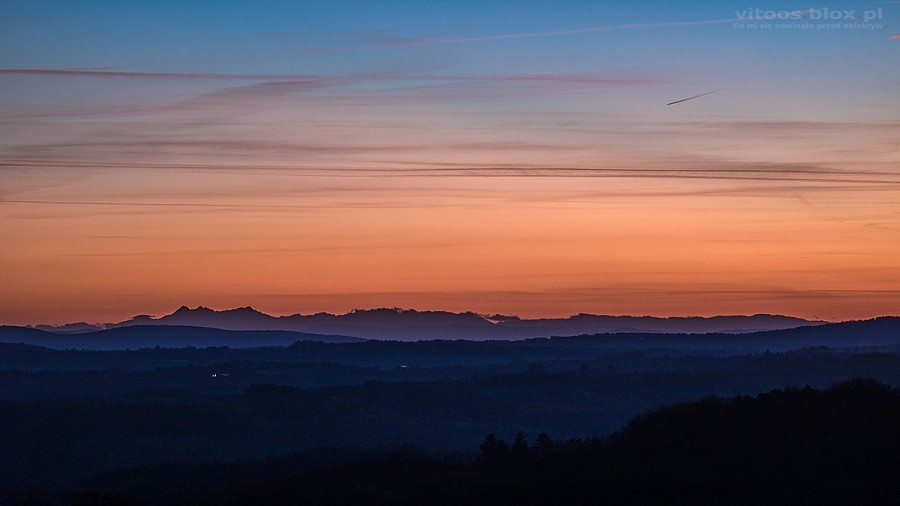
<point x="699" y="170"/>
<point x="276" y="79"/>
<point x="111" y="74"/>
<point x="401" y="86"/>
<point x="156" y="146"/>
<point x="780" y="127"/>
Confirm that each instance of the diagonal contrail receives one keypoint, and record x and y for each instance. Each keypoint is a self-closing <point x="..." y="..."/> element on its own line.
<point x="691" y="98"/>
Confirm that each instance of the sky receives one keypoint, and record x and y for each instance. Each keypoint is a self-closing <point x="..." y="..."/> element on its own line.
<point x="514" y="157"/>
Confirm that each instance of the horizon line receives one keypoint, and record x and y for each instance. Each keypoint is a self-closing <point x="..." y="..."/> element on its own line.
<point x="485" y="315"/>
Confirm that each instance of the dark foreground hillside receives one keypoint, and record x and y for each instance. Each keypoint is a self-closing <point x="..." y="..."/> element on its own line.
<point x="790" y="446"/>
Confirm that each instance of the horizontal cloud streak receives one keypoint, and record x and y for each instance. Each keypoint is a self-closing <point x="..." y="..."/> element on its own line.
<point x="111" y="74"/>
<point x="289" y="78"/>
<point x="737" y="172"/>
<point x="779" y="127"/>
<point x="658" y="299"/>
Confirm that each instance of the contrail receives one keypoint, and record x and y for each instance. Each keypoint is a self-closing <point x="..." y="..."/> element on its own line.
<point x="529" y="35"/>
<point x="575" y="31"/>
<point x="691" y="98"/>
<point x="525" y="35"/>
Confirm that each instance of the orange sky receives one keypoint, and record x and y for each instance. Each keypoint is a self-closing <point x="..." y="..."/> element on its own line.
<point x="522" y="244"/>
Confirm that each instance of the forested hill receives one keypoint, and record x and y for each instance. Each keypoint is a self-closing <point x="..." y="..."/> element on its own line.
<point x="785" y="447"/>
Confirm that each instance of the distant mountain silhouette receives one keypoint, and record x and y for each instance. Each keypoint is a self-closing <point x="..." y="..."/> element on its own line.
<point x="878" y="332"/>
<point x="169" y="336"/>
<point x="411" y="325"/>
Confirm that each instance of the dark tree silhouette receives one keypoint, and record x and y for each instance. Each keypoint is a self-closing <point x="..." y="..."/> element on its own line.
<point x="521" y="442"/>
<point x="494" y="452"/>
<point x="543" y="442"/>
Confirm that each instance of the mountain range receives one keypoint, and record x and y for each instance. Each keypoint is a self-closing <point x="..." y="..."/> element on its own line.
<point x="412" y="325"/>
<point x="879" y="332"/>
